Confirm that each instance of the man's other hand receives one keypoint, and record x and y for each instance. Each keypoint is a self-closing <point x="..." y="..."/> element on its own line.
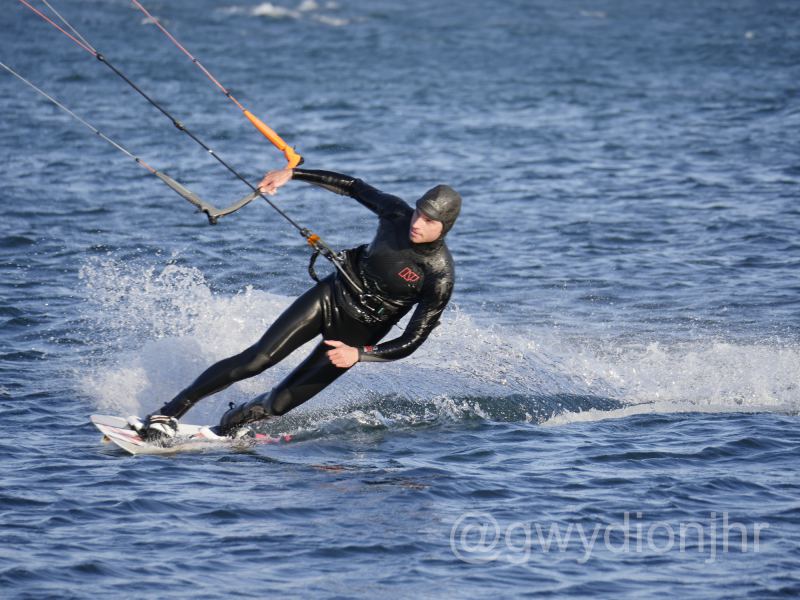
<point x="342" y="355"/>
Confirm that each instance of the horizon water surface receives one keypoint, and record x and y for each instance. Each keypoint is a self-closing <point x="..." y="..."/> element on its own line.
<point x="610" y="406"/>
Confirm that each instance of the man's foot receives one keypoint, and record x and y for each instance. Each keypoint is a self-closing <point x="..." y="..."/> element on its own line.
<point x="155" y="427"/>
<point x="135" y="423"/>
<point x="235" y="420"/>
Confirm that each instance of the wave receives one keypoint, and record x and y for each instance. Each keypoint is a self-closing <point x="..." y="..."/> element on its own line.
<point x="380" y="412"/>
<point x="155" y="328"/>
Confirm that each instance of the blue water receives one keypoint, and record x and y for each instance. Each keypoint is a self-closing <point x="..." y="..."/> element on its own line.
<point x="618" y="367"/>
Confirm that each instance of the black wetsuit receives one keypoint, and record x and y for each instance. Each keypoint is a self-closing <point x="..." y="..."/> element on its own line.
<point x="394" y="274"/>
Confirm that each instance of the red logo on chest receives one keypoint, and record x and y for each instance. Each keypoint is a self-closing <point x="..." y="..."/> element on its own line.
<point x="408" y="275"/>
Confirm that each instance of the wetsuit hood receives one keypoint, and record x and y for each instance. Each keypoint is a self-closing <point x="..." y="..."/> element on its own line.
<point x="441" y="203"/>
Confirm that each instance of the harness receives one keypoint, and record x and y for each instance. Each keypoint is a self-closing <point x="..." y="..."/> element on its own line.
<point x="372" y="304"/>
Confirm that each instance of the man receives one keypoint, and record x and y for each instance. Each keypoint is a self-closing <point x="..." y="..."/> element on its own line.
<point x="406" y="264"/>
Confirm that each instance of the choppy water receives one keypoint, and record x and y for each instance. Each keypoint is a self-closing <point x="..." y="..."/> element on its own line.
<point x="619" y="368"/>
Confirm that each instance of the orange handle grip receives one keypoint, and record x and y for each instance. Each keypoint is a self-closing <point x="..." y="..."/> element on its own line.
<point x="292" y="157"/>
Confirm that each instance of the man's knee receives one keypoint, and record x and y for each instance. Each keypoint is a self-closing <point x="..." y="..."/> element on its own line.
<point x="251" y="362"/>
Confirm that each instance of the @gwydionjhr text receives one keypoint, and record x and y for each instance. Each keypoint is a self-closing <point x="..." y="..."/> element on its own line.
<point x="477" y="537"/>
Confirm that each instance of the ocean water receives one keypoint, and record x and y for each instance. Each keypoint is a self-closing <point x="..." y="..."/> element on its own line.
<point x="610" y="407"/>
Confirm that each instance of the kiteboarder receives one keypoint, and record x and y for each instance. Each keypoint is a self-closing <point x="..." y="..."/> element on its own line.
<point x="406" y="264"/>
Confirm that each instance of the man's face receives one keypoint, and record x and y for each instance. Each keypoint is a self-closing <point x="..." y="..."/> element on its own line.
<point x="423" y="229"/>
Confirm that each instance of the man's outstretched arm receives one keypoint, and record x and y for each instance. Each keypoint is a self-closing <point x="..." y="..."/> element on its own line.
<point x="380" y="203"/>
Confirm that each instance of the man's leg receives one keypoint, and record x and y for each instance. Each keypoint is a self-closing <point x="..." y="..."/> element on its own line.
<point x="298" y="324"/>
<point x="309" y="378"/>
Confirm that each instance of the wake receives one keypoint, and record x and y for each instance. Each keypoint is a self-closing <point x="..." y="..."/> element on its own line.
<point x="155" y="328"/>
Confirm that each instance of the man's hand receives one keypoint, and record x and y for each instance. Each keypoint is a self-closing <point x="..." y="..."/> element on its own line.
<point x="342" y="355"/>
<point x="273" y="180"/>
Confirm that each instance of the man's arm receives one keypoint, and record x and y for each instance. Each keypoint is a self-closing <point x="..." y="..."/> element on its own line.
<point x="380" y="203"/>
<point x="337" y="183"/>
<point x="426" y="316"/>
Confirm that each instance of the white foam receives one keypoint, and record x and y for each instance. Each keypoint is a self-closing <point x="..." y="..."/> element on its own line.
<point x="162" y="328"/>
<point x="268" y="9"/>
<point x="306" y="7"/>
<point x="701" y="373"/>
<point x="332" y="21"/>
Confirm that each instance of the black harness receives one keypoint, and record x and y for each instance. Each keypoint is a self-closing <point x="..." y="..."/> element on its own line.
<point x="374" y="306"/>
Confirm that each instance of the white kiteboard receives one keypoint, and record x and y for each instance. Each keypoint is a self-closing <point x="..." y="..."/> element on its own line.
<point x="189" y="438"/>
